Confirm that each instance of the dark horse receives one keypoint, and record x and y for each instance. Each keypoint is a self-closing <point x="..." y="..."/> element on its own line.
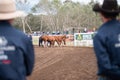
<point x="40" y="41"/>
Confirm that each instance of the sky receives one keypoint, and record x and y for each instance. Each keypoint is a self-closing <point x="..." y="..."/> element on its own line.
<point x="87" y="1"/>
<point x="81" y="1"/>
<point x="33" y="2"/>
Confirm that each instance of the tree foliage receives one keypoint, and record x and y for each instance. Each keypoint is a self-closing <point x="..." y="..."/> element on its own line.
<point x="57" y="16"/>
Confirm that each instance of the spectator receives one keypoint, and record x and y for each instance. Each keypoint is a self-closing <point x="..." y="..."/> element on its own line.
<point x="107" y="41"/>
<point x="85" y="30"/>
<point x="16" y="49"/>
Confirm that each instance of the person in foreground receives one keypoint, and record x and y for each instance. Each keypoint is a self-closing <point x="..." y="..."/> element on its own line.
<point x="16" y="49"/>
<point x="107" y="41"/>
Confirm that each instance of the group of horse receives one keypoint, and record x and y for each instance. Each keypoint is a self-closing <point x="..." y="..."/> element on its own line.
<point x="49" y="40"/>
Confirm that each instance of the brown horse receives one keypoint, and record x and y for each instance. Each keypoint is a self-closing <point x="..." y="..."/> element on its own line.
<point x="47" y="39"/>
<point x="52" y="39"/>
<point x="59" y="39"/>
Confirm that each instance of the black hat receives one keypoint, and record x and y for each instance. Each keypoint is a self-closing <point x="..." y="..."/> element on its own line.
<point x="109" y="6"/>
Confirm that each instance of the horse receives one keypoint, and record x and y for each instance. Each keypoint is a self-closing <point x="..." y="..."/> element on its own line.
<point x="60" y="39"/>
<point x="51" y="40"/>
<point x="47" y="39"/>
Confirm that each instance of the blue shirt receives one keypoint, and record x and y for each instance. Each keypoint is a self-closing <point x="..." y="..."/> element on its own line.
<point x="107" y="49"/>
<point x="16" y="53"/>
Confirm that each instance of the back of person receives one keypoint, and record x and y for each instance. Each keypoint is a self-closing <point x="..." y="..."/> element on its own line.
<point x="16" y="49"/>
<point x="16" y="53"/>
<point x="110" y="36"/>
<point x="107" y="41"/>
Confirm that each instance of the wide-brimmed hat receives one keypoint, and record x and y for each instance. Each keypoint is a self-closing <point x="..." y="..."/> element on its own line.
<point x="108" y="6"/>
<point x="8" y="10"/>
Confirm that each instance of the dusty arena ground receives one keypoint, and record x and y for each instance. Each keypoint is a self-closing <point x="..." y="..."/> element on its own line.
<point x="64" y="63"/>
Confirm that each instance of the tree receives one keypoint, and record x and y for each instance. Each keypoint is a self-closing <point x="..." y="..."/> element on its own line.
<point x="57" y="16"/>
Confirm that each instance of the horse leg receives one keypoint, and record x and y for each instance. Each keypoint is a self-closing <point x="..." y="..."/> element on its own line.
<point x="53" y="43"/>
<point x="39" y="42"/>
<point x="64" y="42"/>
<point x="49" y="43"/>
<point x="44" y="43"/>
<point x="58" y="42"/>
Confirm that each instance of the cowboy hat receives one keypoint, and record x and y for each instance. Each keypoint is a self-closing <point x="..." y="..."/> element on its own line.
<point x="109" y="6"/>
<point x="8" y="10"/>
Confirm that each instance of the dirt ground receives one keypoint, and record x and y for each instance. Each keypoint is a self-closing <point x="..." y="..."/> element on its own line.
<point x="64" y="63"/>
